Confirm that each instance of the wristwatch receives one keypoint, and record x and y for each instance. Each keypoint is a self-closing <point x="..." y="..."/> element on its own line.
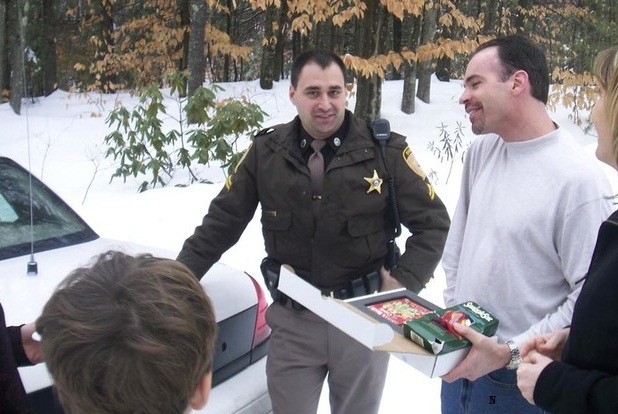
<point x="515" y="357"/>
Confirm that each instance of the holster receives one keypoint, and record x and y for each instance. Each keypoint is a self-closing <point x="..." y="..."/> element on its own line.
<point x="392" y="255"/>
<point x="270" y="270"/>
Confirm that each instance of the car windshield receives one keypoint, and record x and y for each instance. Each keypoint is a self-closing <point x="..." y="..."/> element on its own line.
<point x="54" y="224"/>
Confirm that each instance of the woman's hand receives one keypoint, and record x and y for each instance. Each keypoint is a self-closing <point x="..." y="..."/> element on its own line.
<point x="528" y="373"/>
<point x="551" y="345"/>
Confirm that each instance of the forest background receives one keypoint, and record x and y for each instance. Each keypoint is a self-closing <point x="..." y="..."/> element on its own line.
<point x="107" y="46"/>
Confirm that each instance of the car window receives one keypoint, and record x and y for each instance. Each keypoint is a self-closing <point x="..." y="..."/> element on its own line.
<point x="54" y="224"/>
<point x="7" y="214"/>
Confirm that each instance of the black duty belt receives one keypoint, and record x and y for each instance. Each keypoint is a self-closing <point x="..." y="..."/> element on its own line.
<point x="363" y="285"/>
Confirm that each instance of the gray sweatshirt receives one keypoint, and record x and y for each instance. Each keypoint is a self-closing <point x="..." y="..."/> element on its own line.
<point x="524" y="229"/>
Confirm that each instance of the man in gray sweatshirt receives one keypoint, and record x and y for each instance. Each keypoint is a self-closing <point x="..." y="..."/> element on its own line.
<point x="525" y="225"/>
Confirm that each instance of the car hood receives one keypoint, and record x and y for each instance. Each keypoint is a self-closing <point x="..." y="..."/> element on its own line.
<point x="23" y="296"/>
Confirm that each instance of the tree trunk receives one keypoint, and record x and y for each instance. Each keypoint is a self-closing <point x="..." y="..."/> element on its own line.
<point x="229" y="30"/>
<point x="267" y="66"/>
<point x="296" y="44"/>
<point x="4" y="50"/>
<point x="397" y="43"/>
<point x="279" y="71"/>
<point x="16" y="41"/>
<point x="280" y="46"/>
<point x="520" y="19"/>
<point x="322" y="36"/>
<point x="196" y="61"/>
<point x="408" y="100"/>
<point x="443" y="64"/>
<point x="182" y="64"/>
<point x="427" y="36"/>
<point x="104" y="30"/>
<point x="369" y="90"/>
<point x="33" y="50"/>
<point x="491" y="17"/>
<point x="50" y="74"/>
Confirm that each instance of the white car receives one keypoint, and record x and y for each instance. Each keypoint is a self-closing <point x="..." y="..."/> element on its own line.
<point x="58" y="241"/>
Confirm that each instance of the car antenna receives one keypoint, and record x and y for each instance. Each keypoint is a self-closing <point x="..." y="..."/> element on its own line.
<point x="32" y="268"/>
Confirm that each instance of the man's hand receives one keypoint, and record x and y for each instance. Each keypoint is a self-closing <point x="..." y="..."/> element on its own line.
<point x="550" y="345"/>
<point x="528" y="373"/>
<point x="388" y="282"/>
<point x="485" y="356"/>
<point x="32" y="348"/>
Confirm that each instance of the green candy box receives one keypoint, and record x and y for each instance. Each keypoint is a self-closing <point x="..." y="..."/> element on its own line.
<point x="434" y="331"/>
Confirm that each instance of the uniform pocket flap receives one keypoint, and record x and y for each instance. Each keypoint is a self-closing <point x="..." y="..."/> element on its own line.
<point x="276" y="220"/>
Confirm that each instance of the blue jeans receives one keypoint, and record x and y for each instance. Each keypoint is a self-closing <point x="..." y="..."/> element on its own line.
<point x="494" y="393"/>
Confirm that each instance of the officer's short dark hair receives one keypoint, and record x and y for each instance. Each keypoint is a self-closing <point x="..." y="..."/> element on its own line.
<point x="322" y="58"/>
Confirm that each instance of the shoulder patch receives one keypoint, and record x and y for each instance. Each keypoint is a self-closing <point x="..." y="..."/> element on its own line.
<point x="228" y="179"/>
<point x="410" y="159"/>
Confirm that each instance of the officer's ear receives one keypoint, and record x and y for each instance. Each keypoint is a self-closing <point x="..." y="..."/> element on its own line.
<point x="292" y="94"/>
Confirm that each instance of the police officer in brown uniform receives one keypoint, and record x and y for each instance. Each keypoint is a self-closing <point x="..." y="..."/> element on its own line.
<point x="336" y="239"/>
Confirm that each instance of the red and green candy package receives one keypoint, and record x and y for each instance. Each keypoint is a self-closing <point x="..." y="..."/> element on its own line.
<point x="434" y="331"/>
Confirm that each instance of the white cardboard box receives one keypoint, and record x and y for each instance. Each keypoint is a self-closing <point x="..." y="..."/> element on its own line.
<point x="369" y="331"/>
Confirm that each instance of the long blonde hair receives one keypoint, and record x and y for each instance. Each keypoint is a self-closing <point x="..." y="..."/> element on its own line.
<point x="606" y="71"/>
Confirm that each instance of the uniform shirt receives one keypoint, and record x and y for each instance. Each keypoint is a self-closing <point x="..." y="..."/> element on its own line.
<point x="349" y="237"/>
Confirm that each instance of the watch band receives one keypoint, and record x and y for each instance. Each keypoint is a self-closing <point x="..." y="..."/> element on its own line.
<point x="515" y="356"/>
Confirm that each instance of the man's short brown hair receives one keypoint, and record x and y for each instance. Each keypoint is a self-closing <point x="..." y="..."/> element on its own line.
<point x="128" y="335"/>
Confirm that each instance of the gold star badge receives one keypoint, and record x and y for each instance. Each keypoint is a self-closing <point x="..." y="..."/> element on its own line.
<point x="375" y="183"/>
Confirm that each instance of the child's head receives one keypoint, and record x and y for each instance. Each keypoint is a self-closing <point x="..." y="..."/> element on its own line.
<point x="129" y="335"/>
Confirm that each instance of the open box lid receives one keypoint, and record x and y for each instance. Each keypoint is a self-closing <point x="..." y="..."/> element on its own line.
<point x="366" y="329"/>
